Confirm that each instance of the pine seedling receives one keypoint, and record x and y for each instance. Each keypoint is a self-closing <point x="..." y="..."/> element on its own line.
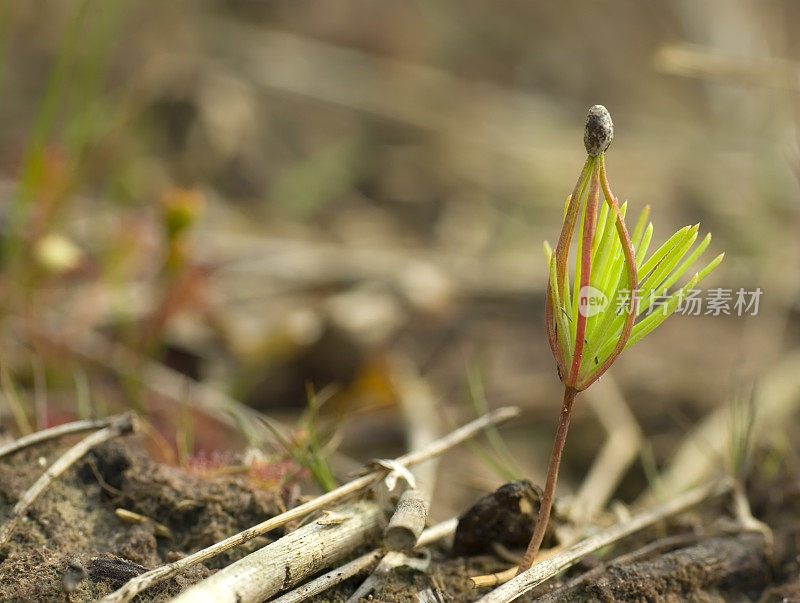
<point x="604" y="311"/>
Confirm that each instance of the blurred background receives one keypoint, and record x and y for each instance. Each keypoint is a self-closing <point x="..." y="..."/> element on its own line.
<point x="331" y="215"/>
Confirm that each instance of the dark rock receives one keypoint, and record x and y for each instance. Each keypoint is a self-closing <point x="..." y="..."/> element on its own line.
<point x="507" y="517"/>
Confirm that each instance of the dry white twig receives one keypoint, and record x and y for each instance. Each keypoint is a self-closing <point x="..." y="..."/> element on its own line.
<point x="390" y="561"/>
<point x="117" y="426"/>
<point x="139" y="583"/>
<point x="132" y="517"/>
<point x="340" y="574"/>
<point x="407" y="522"/>
<point x="419" y="413"/>
<point x="393" y="559"/>
<point x="290" y="559"/>
<point x="332" y="578"/>
<point x="548" y="568"/>
<point x="59" y="431"/>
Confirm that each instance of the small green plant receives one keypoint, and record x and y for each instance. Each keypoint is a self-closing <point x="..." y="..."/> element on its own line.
<point x="592" y="322"/>
<point x="742" y="425"/>
<point x="310" y="445"/>
<point x="497" y="457"/>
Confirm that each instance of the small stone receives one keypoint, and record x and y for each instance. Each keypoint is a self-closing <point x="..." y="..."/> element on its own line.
<point x="73" y="575"/>
<point x="506" y="517"/>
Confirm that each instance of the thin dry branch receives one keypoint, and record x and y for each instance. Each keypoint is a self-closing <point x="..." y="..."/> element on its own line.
<point x="653" y="548"/>
<point x="438" y="532"/>
<point x="390" y="561"/>
<point x="290" y="559"/>
<point x="331" y="579"/>
<point x="59" y="431"/>
<point x="138" y="584"/>
<point x="548" y="568"/>
<point x="407" y="522"/>
<point x="489" y="580"/>
<point x="419" y="413"/>
<point x="119" y="425"/>
<point x="340" y="574"/>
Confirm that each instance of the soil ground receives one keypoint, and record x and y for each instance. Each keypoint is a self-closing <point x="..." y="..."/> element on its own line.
<point x="73" y="530"/>
<point x="72" y="540"/>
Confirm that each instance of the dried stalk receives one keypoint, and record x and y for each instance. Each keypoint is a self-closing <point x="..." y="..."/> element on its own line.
<point x="137" y="518"/>
<point x="548" y="568"/>
<point x="489" y="580"/>
<point x="407" y="522"/>
<point x="119" y="425"/>
<point x="332" y="578"/>
<point x="340" y="574"/>
<point x="419" y="413"/>
<point x="138" y="584"/>
<point x="290" y="559"/>
<point x="59" y="431"/>
<point x="390" y="561"/>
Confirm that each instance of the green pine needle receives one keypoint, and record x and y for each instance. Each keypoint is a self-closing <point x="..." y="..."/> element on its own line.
<point x="658" y="316"/>
<point x="658" y="274"/>
<point x="642" y="247"/>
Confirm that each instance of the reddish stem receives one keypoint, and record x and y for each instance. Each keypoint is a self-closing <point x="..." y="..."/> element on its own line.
<point x="561" y="252"/>
<point x="562" y="247"/>
<point x="586" y="273"/>
<point x="550" y="486"/>
<point x="633" y="284"/>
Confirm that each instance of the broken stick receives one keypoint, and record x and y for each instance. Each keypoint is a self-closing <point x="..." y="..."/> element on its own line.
<point x="290" y="559"/>
<point x="407" y="522"/>
<point x="348" y="570"/>
<point x="59" y="431"/>
<point x="419" y="412"/>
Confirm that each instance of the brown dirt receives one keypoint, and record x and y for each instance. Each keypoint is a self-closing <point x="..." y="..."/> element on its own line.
<point x="72" y="533"/>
